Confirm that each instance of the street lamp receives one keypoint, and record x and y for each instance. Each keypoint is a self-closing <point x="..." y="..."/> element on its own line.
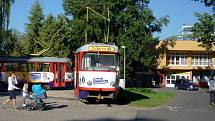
<point x="124" y="47"/>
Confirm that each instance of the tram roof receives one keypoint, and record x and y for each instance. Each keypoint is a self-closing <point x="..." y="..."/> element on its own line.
<point x="98" y="46"/>
<point x="33" y="59"/>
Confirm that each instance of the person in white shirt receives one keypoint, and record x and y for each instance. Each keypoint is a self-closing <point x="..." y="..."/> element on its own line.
<point x="211" y="85"/>
<point x="12" y="81"/>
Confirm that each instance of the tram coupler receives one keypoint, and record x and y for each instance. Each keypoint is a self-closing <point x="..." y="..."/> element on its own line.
<point x="100" y="97"/>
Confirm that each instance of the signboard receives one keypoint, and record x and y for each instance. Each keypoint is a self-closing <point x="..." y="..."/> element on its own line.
<point x="68" y="76"/>
<point x="101" y="48"/>
<point x="99" y="81"/>
<point x="38" y="77"/>
<point x="41" y="77"/>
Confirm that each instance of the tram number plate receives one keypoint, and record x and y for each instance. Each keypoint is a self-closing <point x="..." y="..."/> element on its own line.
<point x="99" y="81"/>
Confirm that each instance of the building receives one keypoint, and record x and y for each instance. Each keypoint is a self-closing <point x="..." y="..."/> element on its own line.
<point x="186" y="59"/>
<point x="185" y="32"/>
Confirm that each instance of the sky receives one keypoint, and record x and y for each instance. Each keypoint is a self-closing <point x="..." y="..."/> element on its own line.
<point x="180" y="12"/>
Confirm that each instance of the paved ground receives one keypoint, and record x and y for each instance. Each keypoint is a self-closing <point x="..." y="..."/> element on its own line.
<point x="62" y="106"/>
<point x="187" y="106"/>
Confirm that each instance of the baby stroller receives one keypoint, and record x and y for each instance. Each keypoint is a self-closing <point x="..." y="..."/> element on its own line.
<point x="36" y="98"/>
<point x="36" y="103"/>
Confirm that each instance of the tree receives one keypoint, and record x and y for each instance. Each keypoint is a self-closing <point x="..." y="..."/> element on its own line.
<point x="8" y="43"/>
<point x="5" y="13"/>
<point x="55" y="32"/>
<point x="6" y="36"/>
<point x="132" y="23"/>
<point x="32" y="30"/>
<point x="208" y="3"/>
<point x="204" y="30"/>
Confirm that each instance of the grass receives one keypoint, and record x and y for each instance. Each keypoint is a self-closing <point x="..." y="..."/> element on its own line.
<point x="143" y="97"/>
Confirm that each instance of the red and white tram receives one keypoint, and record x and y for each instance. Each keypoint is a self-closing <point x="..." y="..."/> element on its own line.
<point x="96" y="71"/>
<point x="50" y="71"/>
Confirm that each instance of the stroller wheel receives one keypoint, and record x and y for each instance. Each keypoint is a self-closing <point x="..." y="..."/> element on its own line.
<point x="29" y="107"/>
<point x="42" y="108"/>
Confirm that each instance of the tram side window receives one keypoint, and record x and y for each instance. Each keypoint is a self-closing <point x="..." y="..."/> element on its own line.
<point x="43" y="67"/>
<point x="11" y="67"/>
<point x="24" y="67"/>
<point x="31" y="67"/>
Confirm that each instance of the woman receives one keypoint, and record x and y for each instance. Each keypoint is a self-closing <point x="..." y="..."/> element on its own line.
<point x="12" y="81"/>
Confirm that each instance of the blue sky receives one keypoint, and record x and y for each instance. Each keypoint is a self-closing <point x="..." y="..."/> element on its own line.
<point x="180" y="12"/>
<point x="20" y="11"/>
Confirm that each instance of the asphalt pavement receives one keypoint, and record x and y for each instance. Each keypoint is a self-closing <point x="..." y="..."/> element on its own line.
<point x="187" y="106"/>
<point x="63" y="106"/>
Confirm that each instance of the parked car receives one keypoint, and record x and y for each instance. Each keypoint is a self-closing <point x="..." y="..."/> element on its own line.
<point x="203" y="84"/>
<point x="185" y="84"/>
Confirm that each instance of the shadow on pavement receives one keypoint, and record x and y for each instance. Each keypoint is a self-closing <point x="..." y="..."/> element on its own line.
<point x="125" y="97"/>
<point x="54" y="105"/>
<point x="110" y="119"/>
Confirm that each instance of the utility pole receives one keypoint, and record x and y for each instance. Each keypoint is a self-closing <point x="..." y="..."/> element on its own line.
<point x="124" y="47"/>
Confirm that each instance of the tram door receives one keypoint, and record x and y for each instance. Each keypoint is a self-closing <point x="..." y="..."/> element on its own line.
<point x="59" y="73"/>
<point x="76" y="82"/>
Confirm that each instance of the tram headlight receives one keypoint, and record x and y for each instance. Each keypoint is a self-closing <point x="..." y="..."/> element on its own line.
<point x="89" y="83"/>
<point x="112" y="83"/>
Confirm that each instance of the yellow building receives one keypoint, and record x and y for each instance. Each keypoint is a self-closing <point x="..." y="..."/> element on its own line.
<point x="185" y="59"/>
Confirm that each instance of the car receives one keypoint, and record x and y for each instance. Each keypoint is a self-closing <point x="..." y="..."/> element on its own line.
<point x="185" y="84"/>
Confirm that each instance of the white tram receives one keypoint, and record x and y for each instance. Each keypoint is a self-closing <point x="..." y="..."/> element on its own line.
<point x="96" y="71"/>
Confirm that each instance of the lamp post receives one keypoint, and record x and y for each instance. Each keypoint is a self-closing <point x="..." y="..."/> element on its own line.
<point x="124" y="47"/>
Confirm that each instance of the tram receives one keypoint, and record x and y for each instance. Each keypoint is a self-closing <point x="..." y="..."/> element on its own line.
<point x="49" y="71"/>
<point x="96" y="71"/>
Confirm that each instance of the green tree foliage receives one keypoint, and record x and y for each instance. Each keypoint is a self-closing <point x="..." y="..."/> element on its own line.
<point x="55" y="32"/>
<point x="132" y="24"/>
<point x="208" y="3"/>
<point x="49" y="33"/>
<point x="5" y="13"/>
<point x="204" y="30"/>
<point x="8" y="42"/>
<point x="32" y="30"/>
<point x="6" y="36"/>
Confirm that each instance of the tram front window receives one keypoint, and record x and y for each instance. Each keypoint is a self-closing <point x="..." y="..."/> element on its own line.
<point x="95" y="61"/>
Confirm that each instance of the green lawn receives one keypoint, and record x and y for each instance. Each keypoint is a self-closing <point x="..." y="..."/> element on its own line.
<point x="143" y="97"/>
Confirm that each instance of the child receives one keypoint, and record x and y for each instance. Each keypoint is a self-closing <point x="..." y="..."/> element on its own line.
<point x="24" y="93"/>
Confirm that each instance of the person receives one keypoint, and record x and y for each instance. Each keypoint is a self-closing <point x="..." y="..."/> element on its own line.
<point x="12" y="81"/>
<point x="38" y="91"/>
<point x="211" y="85"/>
<point x="24" y="93"/>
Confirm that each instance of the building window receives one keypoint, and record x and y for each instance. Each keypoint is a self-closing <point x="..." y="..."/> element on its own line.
<point x="200" y="59"/>
<point x="177" y="59"/>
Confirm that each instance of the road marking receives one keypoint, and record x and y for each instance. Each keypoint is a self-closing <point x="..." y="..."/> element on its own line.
<point x="174" y="108"/>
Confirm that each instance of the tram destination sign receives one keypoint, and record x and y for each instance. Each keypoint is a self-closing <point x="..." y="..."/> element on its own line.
<point x="101" y="48"/>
